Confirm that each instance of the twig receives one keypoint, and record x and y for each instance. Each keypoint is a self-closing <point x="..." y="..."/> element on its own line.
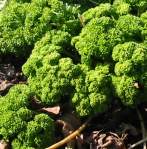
<point x="70" y="137"/>
<point x="143" y="129"/>
<point x="138" y="143"/>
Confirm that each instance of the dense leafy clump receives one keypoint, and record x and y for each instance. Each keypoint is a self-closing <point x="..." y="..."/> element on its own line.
<point x="38" y="133"/>
<point x="95" y="40"/>
<point x="53" y="79"/>
<point x="89" y="59"/>
<point x="102" y="32"/>
<point x="92" y="90"/>
<point x="136" y="6"/>
<point x="53" y="41"/>
<point x="130" y="70"/>
<point x="116" y="36"/>
<point x="22" y="24"/>
<point x="18" y="123"/>
<point x="144" y="19"/>
<point x="50" y="74"/>
<point x="18" y="96"/>
<point x="11" y="28"/>
<point x="53" y="76"/>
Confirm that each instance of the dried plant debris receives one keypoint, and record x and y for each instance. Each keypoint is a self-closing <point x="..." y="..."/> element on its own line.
<point x="69" y="123"/>
<point x="101" y="140"/>
<point x="51" y="110"/>
<point x="5" y="85"/>
<point x="8" y="77"/>
<point x="4" y="144"/>
<point x="7" y="71"/>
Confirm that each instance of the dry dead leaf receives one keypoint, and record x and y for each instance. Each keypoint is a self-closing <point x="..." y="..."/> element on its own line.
<point x="4" y="144"/>
<point x="5" y="85"/>
<point x="108" y="140"/>
<point x="52" y="110"/>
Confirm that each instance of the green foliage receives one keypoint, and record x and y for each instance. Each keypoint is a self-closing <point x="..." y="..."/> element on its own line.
<point x="49" y="74"/>
<point x="12" y="105"/>
<point x="109" y="39"/>
<point x="111" y="35"/>
<point x="130" y="67"/>
<point x="10" y="124"/>
<point x="16" y="120"/>
<point x="99" y="11"/>
<point x="88" y="59"/>
<point x="92" y="90"/>
<point x="144" y="19"/>
<point x="11" y="28"/>
<point x="17" y="97"/>
<point x="122" y="8"/>
<point x="52" y="80"/>
<point x="53" y="41"/>
<point x="131" y="27"/>
<point x="42" y="70"/>
<point x="96" y="40"/>
<point x="38" y="133"/>
<point x="103" y="31"/>
<point x="136" y="6"/>
<point x="22" y="24"/>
